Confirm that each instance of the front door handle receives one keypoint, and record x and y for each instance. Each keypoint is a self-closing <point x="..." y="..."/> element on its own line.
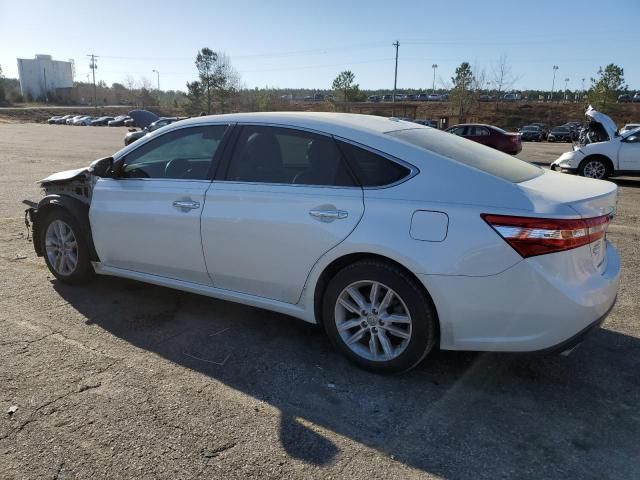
<point x="186" y="204"/>
<point x="328" y="215"/>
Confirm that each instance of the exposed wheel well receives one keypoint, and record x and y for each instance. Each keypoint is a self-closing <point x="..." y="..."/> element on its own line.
<point x="599" y="156"/>
<point x="339" y="263"/>
<point x="77" y="209"/>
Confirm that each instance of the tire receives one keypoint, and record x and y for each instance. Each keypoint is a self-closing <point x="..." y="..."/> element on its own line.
<point x="595" y="167"/>
<point x="398" y="345"/>
<point x="57" y="222"/>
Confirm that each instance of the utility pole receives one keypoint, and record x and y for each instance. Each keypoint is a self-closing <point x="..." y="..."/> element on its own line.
<point x="566" y="96"/>
<point x="583" y="92"/>
<point x="93" y="65"/>
<point x="395" y="80"/>
<point x="433" y="87"/>
<point x="553" y="84"/>
<point x="158" y="73"/>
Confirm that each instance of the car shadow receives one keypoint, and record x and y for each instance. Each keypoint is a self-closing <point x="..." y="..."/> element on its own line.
<point x="458" y="415"/>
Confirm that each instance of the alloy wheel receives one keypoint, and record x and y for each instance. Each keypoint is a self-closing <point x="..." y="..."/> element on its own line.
<point x="595" y="169"/>
<point x="373" y="321"/>
<point x="61" y="246"/>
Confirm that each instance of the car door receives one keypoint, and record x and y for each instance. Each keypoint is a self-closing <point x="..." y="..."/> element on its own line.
<point x="629" y="153"/>
<point x="147" y="218"/>
<point x="287" y="197"/>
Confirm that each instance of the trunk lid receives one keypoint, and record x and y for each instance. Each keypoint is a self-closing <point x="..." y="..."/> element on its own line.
<point x="589" y="198"/>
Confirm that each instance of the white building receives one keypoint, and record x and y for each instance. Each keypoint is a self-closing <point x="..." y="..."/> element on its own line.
<point x="41" y="75"/>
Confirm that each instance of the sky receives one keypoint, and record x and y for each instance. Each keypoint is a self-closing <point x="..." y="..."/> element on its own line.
<point x="297" y="44"/>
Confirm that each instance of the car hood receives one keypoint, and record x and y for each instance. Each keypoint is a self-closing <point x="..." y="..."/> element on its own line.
<point x="64" y="175"/>
<point x="604" y="120"/>
<point x="143" y="118"/>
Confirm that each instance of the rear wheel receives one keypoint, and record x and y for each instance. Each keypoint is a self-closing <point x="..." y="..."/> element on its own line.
<point x="65" y="248"/>
<point x="596" y="167"/>
<point x="379" y="317"/>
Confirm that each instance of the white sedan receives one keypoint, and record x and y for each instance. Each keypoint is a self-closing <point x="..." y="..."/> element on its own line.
<point x="616" y="154"/>
<point x="395" y="237"/>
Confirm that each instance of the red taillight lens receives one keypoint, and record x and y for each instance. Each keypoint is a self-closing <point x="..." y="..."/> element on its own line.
<point x="537" y="236"/>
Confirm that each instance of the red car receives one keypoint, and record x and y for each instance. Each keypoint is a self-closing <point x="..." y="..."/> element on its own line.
<point x="490" y="136"/>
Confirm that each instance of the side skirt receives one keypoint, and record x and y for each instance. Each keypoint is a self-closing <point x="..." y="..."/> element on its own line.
<point x="221" y="294"/>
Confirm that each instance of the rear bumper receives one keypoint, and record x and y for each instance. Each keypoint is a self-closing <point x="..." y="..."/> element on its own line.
<point x="538" y="304"/>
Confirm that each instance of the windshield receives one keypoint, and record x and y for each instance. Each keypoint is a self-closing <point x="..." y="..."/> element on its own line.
<point x="469" y="153"/>
<point x="560" y="130"/>
<point x="530" y="129"/>
<point x="632" y="131"/>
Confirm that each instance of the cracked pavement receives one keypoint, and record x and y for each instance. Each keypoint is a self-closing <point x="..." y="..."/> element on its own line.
<point x="118" y="379"/>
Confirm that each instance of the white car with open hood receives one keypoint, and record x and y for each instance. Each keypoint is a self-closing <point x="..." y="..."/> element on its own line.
<point x="395" y="237"/>
<point x="615" y="154"/>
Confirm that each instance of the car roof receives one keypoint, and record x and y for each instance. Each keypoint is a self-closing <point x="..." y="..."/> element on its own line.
<point x="332" y="123"/>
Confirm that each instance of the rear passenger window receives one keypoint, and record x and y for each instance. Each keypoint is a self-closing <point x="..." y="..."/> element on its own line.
<point x="373" y="170"/>
<point x="284" y="155"/>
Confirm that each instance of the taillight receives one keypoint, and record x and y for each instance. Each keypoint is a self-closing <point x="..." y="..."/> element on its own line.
<point x="537" y="236"/>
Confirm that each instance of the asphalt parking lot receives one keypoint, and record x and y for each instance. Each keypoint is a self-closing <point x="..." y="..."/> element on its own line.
<point x="118" y="379"/>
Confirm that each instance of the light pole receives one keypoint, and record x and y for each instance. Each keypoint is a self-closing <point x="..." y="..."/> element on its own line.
<point x="433" y="88"/>
<point x="553" y="84"/>
<point x="158" y="74"/>
<point x="582" y="96"/>
<point x="566" y="81"/>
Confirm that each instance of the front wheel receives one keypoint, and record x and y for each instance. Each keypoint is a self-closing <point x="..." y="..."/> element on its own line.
<point x="65" y="247"/>
<point x="594" y="168"/>
<point x="379" y="317"/>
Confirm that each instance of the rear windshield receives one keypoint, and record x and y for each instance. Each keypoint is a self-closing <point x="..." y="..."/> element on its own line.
<point x="469" y="153"/>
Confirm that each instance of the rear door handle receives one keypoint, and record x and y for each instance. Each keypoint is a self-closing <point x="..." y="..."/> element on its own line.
<point x="186" y="204"/>
<point x="328" y="215"/>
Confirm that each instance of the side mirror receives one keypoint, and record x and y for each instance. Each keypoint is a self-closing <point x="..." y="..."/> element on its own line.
<point x="101" y="167"/>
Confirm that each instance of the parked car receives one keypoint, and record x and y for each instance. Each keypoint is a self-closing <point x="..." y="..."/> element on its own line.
<point x="629" y="126"/>
<point x="373" y="98"/>
<point x="54" y="119"/>
<point x="618" y="154"/>
<point x="63" y="120"/>
<point x="511" y="97"/>
<point x="479" y="250"/>
<point x="490" y="136"/>
<point x="543" y="129"/>
<point x="101" y="121"/>
<point x="427" y="123"/>
<point x="70" y="120"/>
<point x="560" y="134"/>
<point x="155" y="125"/>
<point x="485" y="98"/>
<point x="435" y="97"/>
<point x="118" y="121"/>
<point x="531" y="133"/>
<point x="82" y="121"/>
<point x="130" y="122"/>
<point x="636" y="97"/>
<point x="624" y="98"/>
<point x="422" y="97"/>
<point x="387" y="98"/>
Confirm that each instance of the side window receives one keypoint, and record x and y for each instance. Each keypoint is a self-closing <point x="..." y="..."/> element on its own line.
<point x="181" y="154"/>
<point x="373" y="170"/>
<point x="476" y="131"/>
<point x="284" y="155"/>
<point x="457" y="131"/>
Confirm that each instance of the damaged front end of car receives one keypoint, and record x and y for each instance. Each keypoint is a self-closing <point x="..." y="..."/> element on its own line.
<point x="70" y="190"/>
